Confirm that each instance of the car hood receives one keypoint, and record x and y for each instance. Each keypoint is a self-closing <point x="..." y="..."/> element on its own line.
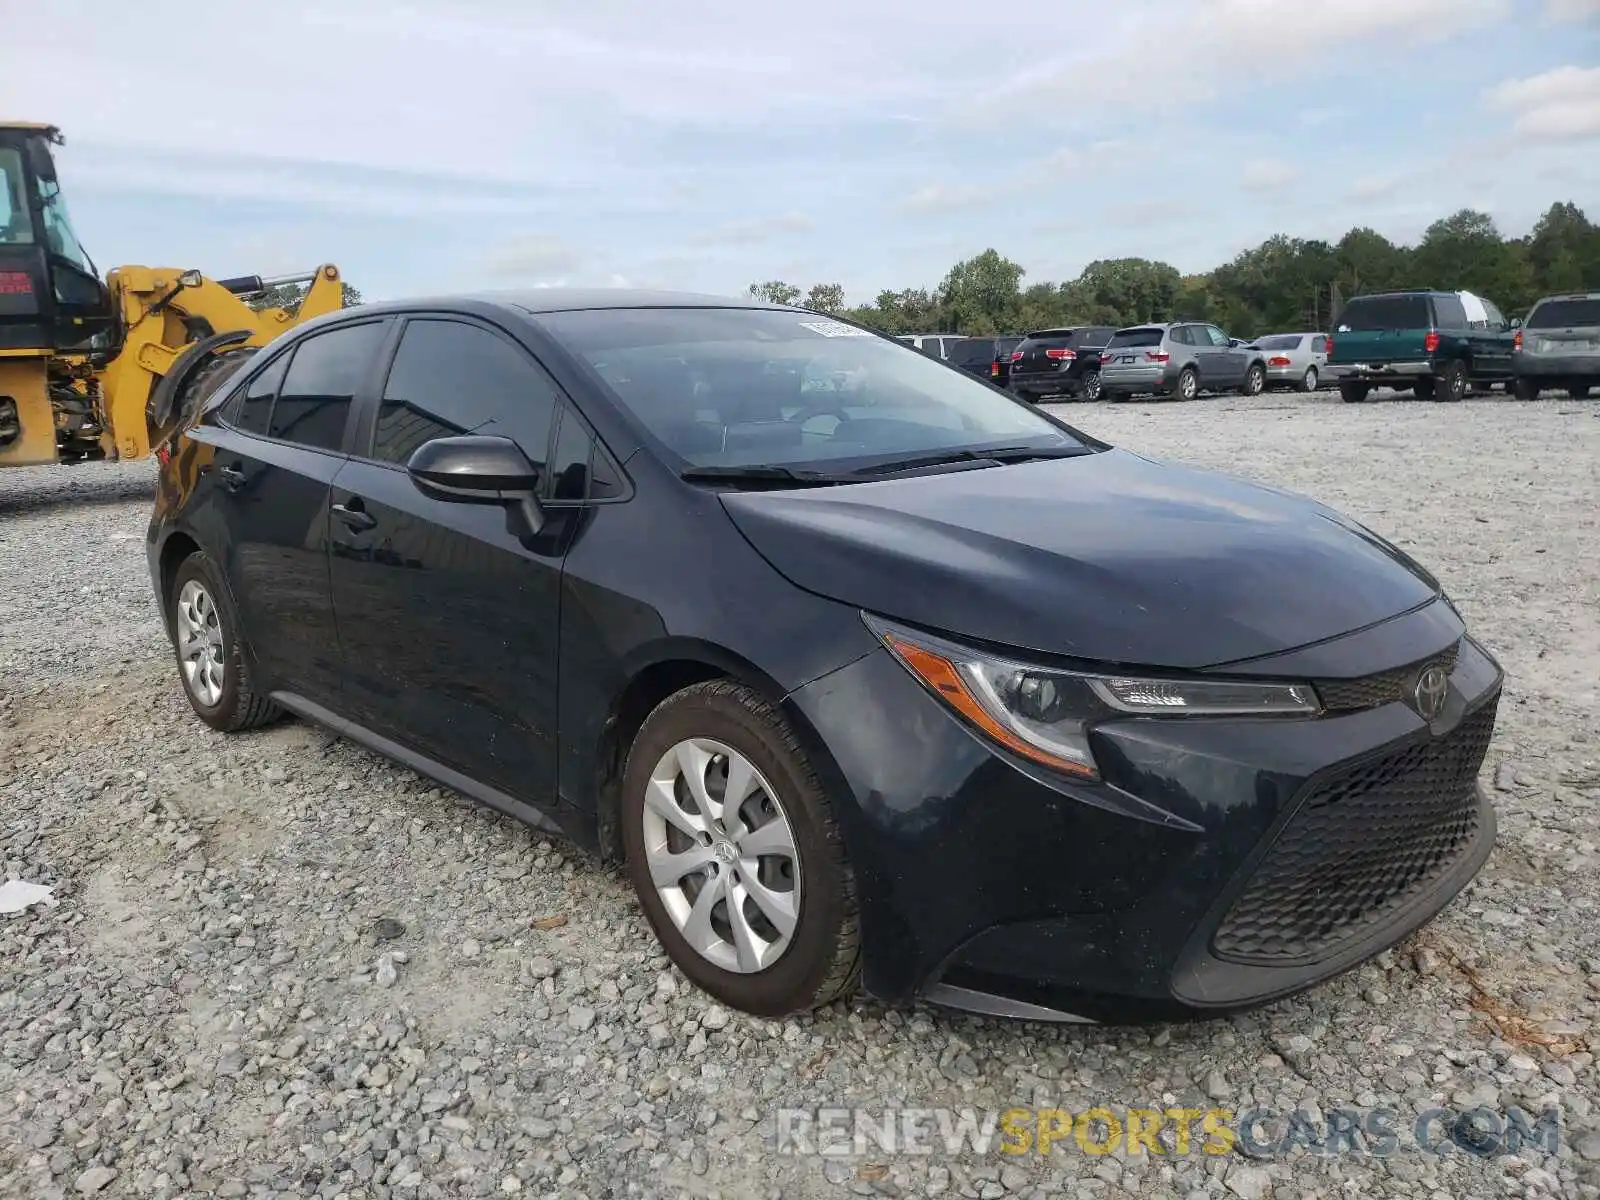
<point x="1111" y="557"/>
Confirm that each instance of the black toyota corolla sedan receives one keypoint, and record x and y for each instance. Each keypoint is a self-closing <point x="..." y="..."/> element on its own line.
<point x="870" y="674"/>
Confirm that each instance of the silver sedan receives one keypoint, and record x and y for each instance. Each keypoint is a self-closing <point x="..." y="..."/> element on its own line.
<point x="1297" y="360"/>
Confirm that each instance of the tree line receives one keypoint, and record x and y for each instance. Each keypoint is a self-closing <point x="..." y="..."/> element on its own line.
<point x="1285" y="283"/>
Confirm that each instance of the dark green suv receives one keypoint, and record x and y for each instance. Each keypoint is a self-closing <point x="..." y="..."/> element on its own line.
<point x="1439" y="345"/>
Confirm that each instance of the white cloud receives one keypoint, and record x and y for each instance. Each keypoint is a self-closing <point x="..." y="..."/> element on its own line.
<point x="1572" y="10"/>
<point x="1268" y="175"/>
<point x="755" y="231"/>
<point x="1560" y="105"/>
<point x="532" y="257"/>
<point x="949" y="197"/>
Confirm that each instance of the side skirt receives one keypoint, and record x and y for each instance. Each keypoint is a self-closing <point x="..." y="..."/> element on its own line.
<point x="421" y="764"/>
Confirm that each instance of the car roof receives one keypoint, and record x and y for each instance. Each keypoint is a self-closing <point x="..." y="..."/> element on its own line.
<point x="548" y="300"/>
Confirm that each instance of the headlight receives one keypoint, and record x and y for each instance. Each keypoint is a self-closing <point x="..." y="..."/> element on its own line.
<point x="1044" y="714"/>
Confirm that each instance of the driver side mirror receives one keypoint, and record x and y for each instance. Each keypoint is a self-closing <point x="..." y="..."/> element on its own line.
<point x="1515" y="323"/>
<point x="475" y="469"/>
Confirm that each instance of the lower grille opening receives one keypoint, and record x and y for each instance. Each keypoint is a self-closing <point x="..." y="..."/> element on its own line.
<point x="1357" y="848"/>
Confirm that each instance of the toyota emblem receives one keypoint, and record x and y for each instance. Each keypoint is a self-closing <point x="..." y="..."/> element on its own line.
<point x="1432" y="686"/>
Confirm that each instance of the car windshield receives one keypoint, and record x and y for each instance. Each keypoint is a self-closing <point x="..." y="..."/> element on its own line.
<point x="1278" y="341"/>
<point x="1375" y="313"/>
<point x="1135" y="337"/>
<point x="732" y="387"/>
<point x="1563" y="314"/>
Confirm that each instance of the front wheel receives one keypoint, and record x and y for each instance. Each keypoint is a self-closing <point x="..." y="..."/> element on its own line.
<point x="735" y="854"/>
<point x="1091" y="386"/>
<point x="1255" y="380"/>
<point x="1308" y="381"/>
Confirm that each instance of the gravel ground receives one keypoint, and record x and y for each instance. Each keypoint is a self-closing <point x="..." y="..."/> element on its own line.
<point x="280" y="966"/>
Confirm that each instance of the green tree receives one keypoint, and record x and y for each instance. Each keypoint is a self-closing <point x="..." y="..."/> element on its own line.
<point x="1122" y="291"/>
<point x="775" y="291"/>
<point x="1465" y="251"/>
<point x="287" y="296"/>
<point x="1564" y="251"/>
<point x="979" y="295"/>
<point x="825" y="297"/>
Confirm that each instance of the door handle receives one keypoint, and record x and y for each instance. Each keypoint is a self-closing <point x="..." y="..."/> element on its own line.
<point x="357" y="518"/>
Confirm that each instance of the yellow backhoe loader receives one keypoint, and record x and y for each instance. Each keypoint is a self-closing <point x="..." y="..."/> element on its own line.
<point x="105" y="370"/>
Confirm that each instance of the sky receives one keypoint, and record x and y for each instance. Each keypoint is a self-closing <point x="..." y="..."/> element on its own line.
<point x="704" y="144"/>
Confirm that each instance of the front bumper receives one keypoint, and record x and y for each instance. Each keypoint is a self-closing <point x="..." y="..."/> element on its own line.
<point x="1220" y="863"/>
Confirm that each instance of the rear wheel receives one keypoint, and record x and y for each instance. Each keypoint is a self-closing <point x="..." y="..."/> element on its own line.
<point x="1352" y="392"/>
<point x="1091" y="385"/>
<point x="735" y="855"/>
<point x="1308" y="381"/>
<point x="1452" y="385"/>
<point x="1255" y="380"/>
<point x="1579" y="391"/>
<point x="1188" y="384"/>
<point x="212" y="663"/>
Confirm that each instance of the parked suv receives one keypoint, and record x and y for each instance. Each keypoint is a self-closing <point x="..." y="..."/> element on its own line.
<point x="934" y="345"/>
<point x="1180" y="359"/>
<point x="986" y="357"/>
<point x="1437" y="344"/>
<point x="1054" y="362"/>
<point x="1558" y="346"/>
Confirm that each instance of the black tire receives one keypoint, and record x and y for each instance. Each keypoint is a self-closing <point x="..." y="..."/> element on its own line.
<point x="1091" y="386"/>
<point x="1255" y="380"/>
<point x="1524" y="389"/>
<point x="1451" y="386"/>
<point x="1188" y="385"/>
<point x="1352" y="392"/>
<point x="239" y="706"/>
<point x="1423" y="389"/>
<point x="1309" y="381"/>
<point x="1579" y="391"/>
<point x="822" y="962"/>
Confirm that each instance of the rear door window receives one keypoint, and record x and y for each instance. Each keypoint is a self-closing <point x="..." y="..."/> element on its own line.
<point x="1450" y="313"/>
<point x="325" y="374"/>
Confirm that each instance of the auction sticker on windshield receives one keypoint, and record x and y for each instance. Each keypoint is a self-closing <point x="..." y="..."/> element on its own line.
<point x="835" y="329"/>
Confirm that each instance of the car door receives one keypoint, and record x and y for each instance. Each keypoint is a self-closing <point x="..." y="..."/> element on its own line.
<point x="1230" y="362"/>
<point x="278" y="446"/>
<point x="447" y="617"/>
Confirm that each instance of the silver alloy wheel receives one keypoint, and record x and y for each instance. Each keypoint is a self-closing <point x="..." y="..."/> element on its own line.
<point x="1311" y="379"/>
<point x="1187" y="385"/>
<point x="1091" y="385"/>
<point x="722" y="855"/>
<point x="200" y="644"/>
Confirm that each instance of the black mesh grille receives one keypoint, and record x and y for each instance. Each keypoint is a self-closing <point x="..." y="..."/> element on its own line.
<point x="1358" y="847"/>
<point x="1343" y="695"/>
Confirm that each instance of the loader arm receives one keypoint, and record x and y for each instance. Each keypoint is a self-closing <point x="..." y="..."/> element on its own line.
<point x="162" y="310"/>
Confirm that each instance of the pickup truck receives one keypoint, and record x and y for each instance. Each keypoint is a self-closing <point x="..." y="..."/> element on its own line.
<point x="1439" y="345"/>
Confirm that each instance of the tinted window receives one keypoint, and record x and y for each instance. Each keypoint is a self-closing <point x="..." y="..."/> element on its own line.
<point x="973" y="352"/>
<point x="569" y="463"/>
<point x="1136" y="337"/>
<point x="451" y="378"/>
<point x="1279" y="341"/>
<point x="324" y="375"/>
<point x="251" y="409"/>
<point x="1561" y="314"/>
<point x="1449" y="312"/>
<point x="1182" y="335"/>
<point x="1319" y="344"/>
<point x="740" y="387"/>
<point x="1211" y="332"/>
<point x="1098" y="336"/>
<point x="1377" y="313"/>
<point x="1004" y="346"/>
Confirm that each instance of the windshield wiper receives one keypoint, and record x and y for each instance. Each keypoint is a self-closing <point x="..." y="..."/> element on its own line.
<point x="997" y="454"/>
<point x="761" y="475"/>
